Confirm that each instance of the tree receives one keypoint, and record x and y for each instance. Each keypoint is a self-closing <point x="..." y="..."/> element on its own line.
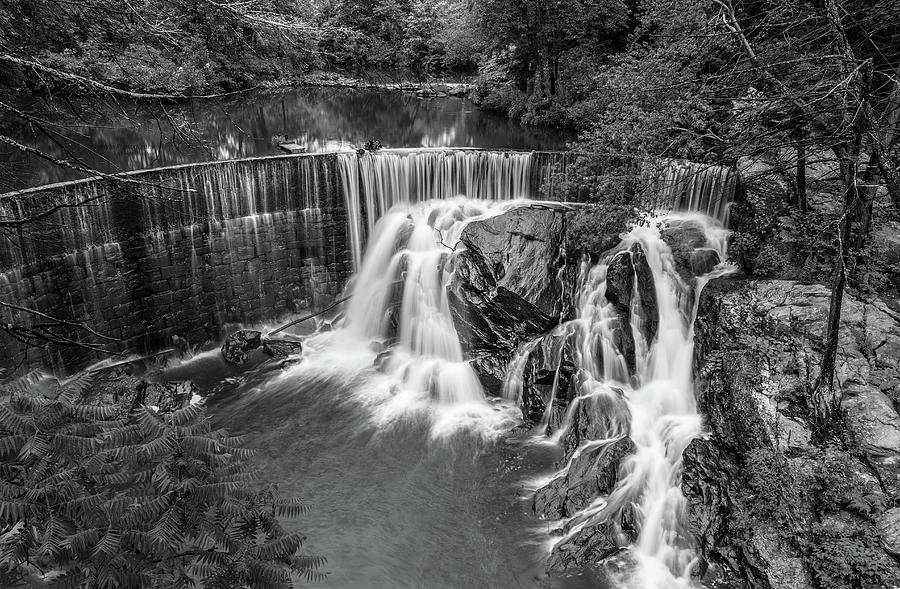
<point x="779" y="85"/>
<point x="128" y="495"/>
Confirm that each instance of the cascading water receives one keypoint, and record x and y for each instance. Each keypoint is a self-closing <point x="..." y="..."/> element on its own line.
<point x="399" y="312"/>
<point x="400" y="297"/>
<point x="642" y="391"/>
<point x="374" y="183"/>
<point x="704" y="188"/>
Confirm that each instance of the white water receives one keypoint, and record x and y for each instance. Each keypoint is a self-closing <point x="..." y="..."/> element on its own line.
<point x="399" y="318"/>
<point x="655" y="405"/>
<point x="375" y="183"/>
<point x="703" y="188"/>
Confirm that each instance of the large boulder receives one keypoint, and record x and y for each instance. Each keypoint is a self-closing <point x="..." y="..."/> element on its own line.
<point x="523" y="250"/>
<point x="505" y="289"/>
<point x="628" y="277"/>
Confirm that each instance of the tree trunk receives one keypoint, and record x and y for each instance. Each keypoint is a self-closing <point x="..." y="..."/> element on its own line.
<point x="802" y="203"/>
<point x="826" y="402"/>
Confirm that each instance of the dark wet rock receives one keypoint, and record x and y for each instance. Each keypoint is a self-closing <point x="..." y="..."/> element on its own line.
<point x="757" y="353"/>
<point x="758" y="349"/>
<point x="629" y="276"/>
<point x="504" y="289"/>
<point x="119" y="388"/>
<point x="236" y="346"/>
<point x="281" y="348"/>
<point x="620" y="281"/>
<point x="548" y="375"/>
<point x="593" y="472"/>
<point x="523" y="251"/>
<point x="590" y="545"/>
<point x="691" y="253"/>
<point x="753" y="553"/>
<point x="702" y="261"/>
<point x="595" y="418"/>
<point x="382" y="358"/>
<point x="648" y="307"/>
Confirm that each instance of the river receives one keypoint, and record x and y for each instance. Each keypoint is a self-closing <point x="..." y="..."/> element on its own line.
<point x="139" y="136"/>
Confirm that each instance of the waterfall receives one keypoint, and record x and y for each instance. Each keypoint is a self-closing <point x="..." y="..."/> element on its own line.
<point x="643" y="391"/>
<point x="398" y="320"/>
<point x="400" y="297"/>
<point x="375" y="182"/>
<point x="704" y="188"/>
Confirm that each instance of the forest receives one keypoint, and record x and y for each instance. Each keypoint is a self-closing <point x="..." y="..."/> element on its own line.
<point x="802" y="97"/>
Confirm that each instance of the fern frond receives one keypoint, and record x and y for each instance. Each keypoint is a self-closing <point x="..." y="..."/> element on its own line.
<point x="82" y="541"/>
<point x="279" y="548"/>
<point x="146" y="511"/>
<point x="158" y="447"/>
<point x="12" y="512"/>
<point x="36" y="448"/>
<point x="12" y="490"/>
<point x="213" y="491"/>
<point x="291" y="507"/>
<point x="74" y="388"/>
<point x="75" y="444"/>
<point x="94" y="412"/>
<point x="184" y="416"/>
<point x="109" y="544"/>
<point x="199" y="444"/>
<point x="28" y="403"/>
<point x="305" y="562"/>
<point x="166" y="533"/>
<point x="11" y="444"/>
<point x="270" y="574"/>
<point x="13" y="422"/>
<point x="150" y="421"/>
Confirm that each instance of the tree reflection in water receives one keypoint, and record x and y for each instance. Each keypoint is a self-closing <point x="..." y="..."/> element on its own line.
<point x="139" y="136"/>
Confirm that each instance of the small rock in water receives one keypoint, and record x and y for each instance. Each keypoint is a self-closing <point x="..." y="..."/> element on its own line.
<point x="281" y="349"/>
<point x="236" y="346"/>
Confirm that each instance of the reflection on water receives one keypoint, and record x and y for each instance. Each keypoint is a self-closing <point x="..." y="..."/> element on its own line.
<point x="134" y="137"/>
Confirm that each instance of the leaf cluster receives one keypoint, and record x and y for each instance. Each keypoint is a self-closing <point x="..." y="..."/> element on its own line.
<point x="108" y="496"/>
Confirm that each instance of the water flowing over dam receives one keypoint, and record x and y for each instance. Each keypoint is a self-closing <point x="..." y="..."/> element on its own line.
<point x="245" y="242"/>
<point x="189" y="249"/>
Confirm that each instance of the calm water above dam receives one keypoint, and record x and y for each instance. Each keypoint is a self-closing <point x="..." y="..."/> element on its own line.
<point x="137" y="137"/>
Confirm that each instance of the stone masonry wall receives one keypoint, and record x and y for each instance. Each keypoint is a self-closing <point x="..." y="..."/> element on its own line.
<point x="160" y="279"/>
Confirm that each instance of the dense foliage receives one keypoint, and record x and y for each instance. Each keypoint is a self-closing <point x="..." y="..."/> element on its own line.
<point x="126" y="495"/>
<point x="168" y="46"/>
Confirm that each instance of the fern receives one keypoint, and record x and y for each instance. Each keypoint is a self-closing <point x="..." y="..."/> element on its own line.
<point x="120" y="496"/>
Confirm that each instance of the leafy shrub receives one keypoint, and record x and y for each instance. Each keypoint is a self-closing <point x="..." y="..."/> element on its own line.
<point x="126" y="496"/>
<point x="839" y="561"/>
<point x="837" y="485"/>
<point x="774" y="492"/>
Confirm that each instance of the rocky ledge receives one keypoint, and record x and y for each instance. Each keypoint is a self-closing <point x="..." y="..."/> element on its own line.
<point x="773" y="503"/>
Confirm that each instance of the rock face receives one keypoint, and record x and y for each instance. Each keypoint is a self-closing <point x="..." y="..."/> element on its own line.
<point x="627" y="269"/>
<point x="593" y="472"/>
<point x="505" y="287"/>
<point x="757" y="355"/>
